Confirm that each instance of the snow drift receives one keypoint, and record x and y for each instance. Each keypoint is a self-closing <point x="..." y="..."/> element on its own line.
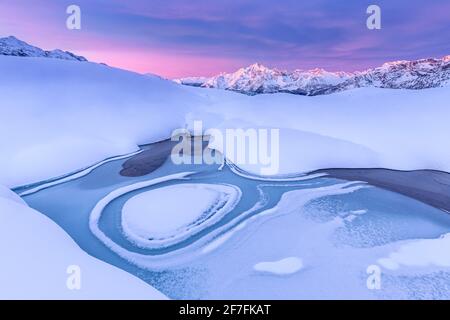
<point x="360" y="128"/>
<point x="60" y="116"/>
<point x="35" y="266"/>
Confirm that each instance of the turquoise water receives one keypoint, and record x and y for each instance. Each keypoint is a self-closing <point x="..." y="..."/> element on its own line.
<point x="335" y="249"/>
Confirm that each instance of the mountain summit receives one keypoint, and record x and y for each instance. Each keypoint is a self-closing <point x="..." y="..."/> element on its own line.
<point x="256" y="78"/>
<point x="11" y="46"/>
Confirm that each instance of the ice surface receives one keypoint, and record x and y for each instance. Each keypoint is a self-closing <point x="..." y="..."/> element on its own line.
<point x="73" y="176"/>
<point x="167" y="215"/>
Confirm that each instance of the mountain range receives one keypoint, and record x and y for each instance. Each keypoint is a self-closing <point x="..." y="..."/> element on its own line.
<point x="11" y="46"/>
<point x="257" y="79"/>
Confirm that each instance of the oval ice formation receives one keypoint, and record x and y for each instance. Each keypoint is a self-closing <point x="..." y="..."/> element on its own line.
<point x="165" y="216"/>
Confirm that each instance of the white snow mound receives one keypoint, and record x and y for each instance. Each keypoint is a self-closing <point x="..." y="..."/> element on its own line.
<point x="37" y="255"/>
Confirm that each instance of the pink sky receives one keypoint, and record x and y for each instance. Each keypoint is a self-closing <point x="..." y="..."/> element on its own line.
<point x="174" y="39"/>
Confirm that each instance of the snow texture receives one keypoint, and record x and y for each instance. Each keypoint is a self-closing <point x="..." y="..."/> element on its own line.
<point x="281" y="267"/>
<point x="420" y="253"/>
<point x="37" y="256"/>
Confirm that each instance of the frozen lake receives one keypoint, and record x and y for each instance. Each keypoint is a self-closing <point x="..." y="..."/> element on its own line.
<point x="312" y="237"/>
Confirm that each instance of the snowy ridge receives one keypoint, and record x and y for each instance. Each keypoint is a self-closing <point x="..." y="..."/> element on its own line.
<point x="192" y="81"/>
<point x="257" y="79"/>
<point x="11" y="46"/>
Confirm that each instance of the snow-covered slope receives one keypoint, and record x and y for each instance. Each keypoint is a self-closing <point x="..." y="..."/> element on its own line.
<point x="419" y="74"/>
<point x="7" y="194"/>
<point x="192" y="81"/>
<point x="359" y="128"/>
<point x="255" y="79"/>
<point x="11" y="46"/>
<point x="58" y="116"/>
<point x="35" y="266"/>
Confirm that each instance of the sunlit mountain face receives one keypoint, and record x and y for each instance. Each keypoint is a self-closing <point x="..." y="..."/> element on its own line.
<point x="258" y="79"/>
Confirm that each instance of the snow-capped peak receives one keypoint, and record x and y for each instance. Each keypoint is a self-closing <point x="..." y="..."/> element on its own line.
<point x="402" y="74"/>
<point x="257" y="67"/>
<point x="317" y="71"/>
<point x="11" y="46"/>
<point x="258" y="78"/>
<point x="254" y="70"/>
